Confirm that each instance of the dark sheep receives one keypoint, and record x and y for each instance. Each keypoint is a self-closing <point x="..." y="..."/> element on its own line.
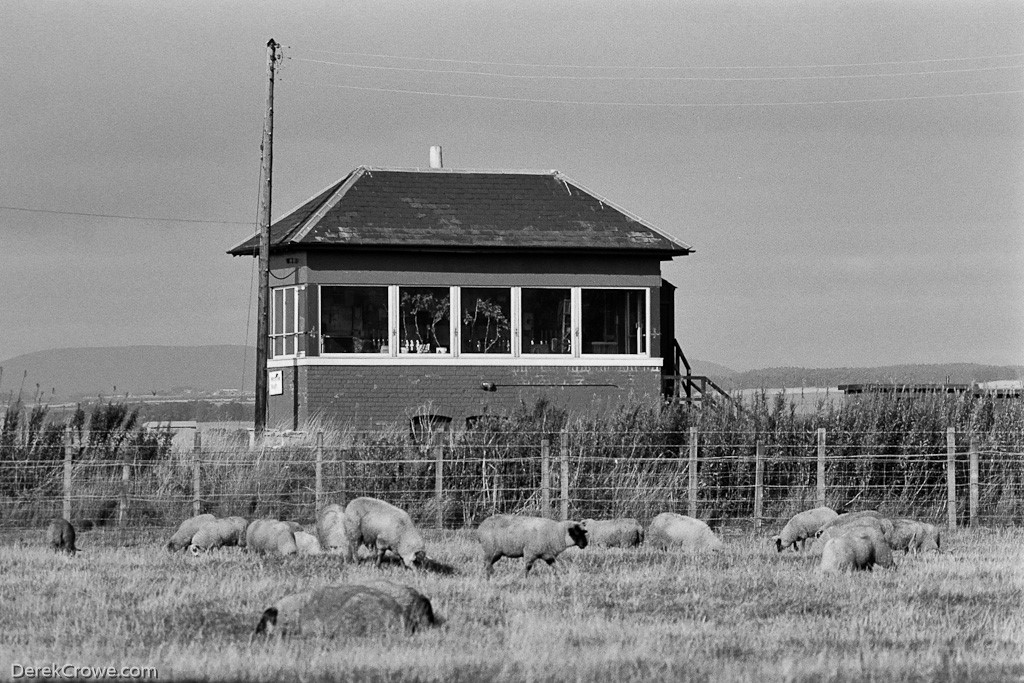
<point x="61" y="536"/>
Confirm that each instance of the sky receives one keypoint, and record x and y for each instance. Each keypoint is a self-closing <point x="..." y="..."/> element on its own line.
<point x="848" y="173"/>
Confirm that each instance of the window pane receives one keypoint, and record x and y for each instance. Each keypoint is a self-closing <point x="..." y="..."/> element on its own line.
<point x="354" y="319"/>
<point x="486" y="320"/>
<point x="614" y="321"/>
<point x="547" y="321"/>
<point x="424" y="314"/>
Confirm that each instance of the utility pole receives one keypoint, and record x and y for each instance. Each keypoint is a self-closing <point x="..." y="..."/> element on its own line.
<point x="263" y="221"/>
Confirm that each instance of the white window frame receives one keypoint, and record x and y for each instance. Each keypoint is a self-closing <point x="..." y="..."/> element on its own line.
<point x="646" y="353"/>
<point x="320" y="318"/>
<point x="291" y="291"/>
<point x="513" y="327"/>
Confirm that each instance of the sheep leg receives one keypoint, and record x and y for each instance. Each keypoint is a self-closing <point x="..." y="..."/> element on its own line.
<point x="380" y="556"/>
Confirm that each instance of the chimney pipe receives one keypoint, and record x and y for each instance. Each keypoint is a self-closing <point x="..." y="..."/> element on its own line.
<point x="435" y="157"/>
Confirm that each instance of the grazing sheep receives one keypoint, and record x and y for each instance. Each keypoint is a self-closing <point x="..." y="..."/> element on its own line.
<point x="883" y="524"/>
<point x="307" y="544"/>
<point x="531" y="538"/>
<point x="614" y="533"/>
<point x="381" y="527"/>
<point x="848" y="517"/>
<point x="229" y="531"/>
<point x="182" y="538"/>
<point x="912" y="536"/>
<point x="271" y="536"/>
<point x="330" y="528"/>
<point x="346" y="610"/>
<point x="802" y="526"/>
<point x="61" y="536"/>
<point x="861" y="548"/>
<point x="674" y="530"/>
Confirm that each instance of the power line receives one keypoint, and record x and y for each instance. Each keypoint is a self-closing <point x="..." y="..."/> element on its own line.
<point x="675" y="105"/>
<point x="701" y="68"/>
<point x="125" y="217"/>
<point x="660" y="78"/>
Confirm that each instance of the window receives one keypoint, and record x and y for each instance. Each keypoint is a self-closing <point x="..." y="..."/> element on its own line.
<point x="486" y="320"/>
<point x="424" y="319"/>
<point x="614" y="321"/>
<point x="547" y="320"/>
<point x="284" y="324"/>
<point x="354" y="319"/>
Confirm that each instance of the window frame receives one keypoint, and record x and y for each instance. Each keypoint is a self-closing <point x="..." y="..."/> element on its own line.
<point x="294" y="293"/>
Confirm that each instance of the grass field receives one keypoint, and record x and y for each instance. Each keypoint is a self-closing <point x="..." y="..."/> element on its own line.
<point x="747" y="614"/>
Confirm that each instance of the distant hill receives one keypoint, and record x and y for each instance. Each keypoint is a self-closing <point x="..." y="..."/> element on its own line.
<point x="135" y="370"/>
<point x="793" y="378"/>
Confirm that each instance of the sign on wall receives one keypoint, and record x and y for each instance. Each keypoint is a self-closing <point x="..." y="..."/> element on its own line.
<point x="276" y="382"/>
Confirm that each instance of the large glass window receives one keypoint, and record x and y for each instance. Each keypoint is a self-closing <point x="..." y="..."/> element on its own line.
<point x="486" y="320"/>
<point x="424" y="319"/>
<point x="354" y="319"/>
<point x="547" y="320"/>
<point x="284" y="321"/>
<point x="614" y="321"/>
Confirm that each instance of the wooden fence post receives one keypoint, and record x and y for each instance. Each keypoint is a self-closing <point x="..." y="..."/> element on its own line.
<point x="951" y="477"/>
<point x="122" y="506"/>
<point x="691" y="494"/>
<point x="758" y="485"/>
<point x="68" y="446"/>
<point x="318" y="491"/>
<point x="821" y="466"/>
<point x="974" y="483"/>
<point x="343" y="475"/>
<point x="563" y="457"/>
<point x="439" y="484"/>
<point x="545" y="477"/>
<point x="197" y="449"/>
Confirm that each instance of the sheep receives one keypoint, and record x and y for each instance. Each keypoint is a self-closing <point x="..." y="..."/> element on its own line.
<point x="531" y="538"/>
<point x="614" y="533"/>
<point x="861" y="548"/>
<point x="182" y="538"/>
<point x="307" y="544"/>
<point x="674" y="530"/>
<point x="229" y="531"/>
<point x="271" y="536"/>
<point x="381" y="526"/>
<point x="347" y="610"/>
<point x="848" y="517"/>
<point x="910" y="535"/>
<point x="883" y="524"/>
<point x="330" y="528"/>
<point x="802" y="526"/>
<point x="61" y="536"/>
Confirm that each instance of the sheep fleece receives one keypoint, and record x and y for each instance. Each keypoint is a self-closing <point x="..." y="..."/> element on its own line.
<point x="860" y="549"/>
<point x="913" y="536"/>
<point x="381" y="526"/>
<point x="271" y="536"/>
<point x="802" y="526"/>
<point x="330" y="527"/>
<point x="623" y="532"/>
<point x="531" y="538"/>
<point x="670" y="529"/>
<point x="61" y="535"/>
<point x="182" y="538"/>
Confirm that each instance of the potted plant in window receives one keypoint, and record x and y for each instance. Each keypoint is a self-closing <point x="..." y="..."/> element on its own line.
<point x="428" y="309"/>
<point x="490" y="315"/>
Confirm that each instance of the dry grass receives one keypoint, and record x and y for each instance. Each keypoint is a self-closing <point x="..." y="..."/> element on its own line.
<point x="746" y="614"/>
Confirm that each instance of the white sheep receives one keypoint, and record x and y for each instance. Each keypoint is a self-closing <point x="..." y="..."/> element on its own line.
<point x="229" y="531"/>
<point x="802" y="526"/>
<point x="848" y="517"/>
<point x="271" y="536"/>
<point x="670" y="529"/>
<point x="330" y="528"/>
<point x="912" y="536"/>
<point x="61" y="536"/>
<point x="381" y="527"/>
<point x="307" y="544"/>
<point x="182" y="538"/>
<point x="531" y="538"/>
<point x="623" y="532"/>
<point x="833" y="530"/>
<point x="860" y="548"/>
<point x="345" y="610"/>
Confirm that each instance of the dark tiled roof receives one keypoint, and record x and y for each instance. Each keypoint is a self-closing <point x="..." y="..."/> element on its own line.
<point x="477" y="210"/>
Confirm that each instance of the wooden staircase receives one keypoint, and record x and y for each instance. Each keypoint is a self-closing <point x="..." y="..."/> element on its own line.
<point x="688" y="388"/>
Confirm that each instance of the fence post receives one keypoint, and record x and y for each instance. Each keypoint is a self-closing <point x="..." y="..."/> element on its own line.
<point x="821" y="466"/>
<point x="319" y="482"/>
<point x="439" y="484"/>
<point x="122" y="506"/>
<point x="563" y="457"/>
<point x="343" y="475"/>
<point x="68" y="446"/>
<point x="758" y="485"/>
<point x="691" y="494"/>
<point x="545" y="477"/>
<point x="951" y="477"/>
<point x="197" y="448"/>
<point x="974" y="483"/>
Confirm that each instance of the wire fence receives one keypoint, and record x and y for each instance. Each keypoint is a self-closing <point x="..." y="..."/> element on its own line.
<point x="725" y="478"/>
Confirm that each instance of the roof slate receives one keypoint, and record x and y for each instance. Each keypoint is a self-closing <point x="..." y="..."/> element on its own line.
<point x="478" y="210"/>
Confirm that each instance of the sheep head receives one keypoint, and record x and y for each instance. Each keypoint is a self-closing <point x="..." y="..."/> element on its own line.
<point x="576" y="535"/>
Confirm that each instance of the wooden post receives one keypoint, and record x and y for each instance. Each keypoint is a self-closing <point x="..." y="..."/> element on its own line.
<point x="68" y="447"/>
<point x="821" y="466"/>
<point x="319" y="483"/>
<point x="343" y="476"/>
<point x="197" y="448"/>
<point x="758" y="485"/>
<point x="974" y="483"/>
<point x="951" y="477"/>
<point x="439" y="484"/>
<point x="122" y="507"/>
<point x="691" y="493"/>
<point x="563" y="457"/>
<point x="545" y="477"/>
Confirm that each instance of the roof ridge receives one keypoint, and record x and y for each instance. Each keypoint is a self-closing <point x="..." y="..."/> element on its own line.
<point x="489" y="171"/>
<point x="303" y="228"/>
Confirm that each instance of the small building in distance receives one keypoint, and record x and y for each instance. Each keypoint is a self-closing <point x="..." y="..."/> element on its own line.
<point x="437" y="296"/>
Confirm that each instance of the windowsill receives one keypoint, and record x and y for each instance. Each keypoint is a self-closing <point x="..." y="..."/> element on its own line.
<point x="482" y="360"/>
